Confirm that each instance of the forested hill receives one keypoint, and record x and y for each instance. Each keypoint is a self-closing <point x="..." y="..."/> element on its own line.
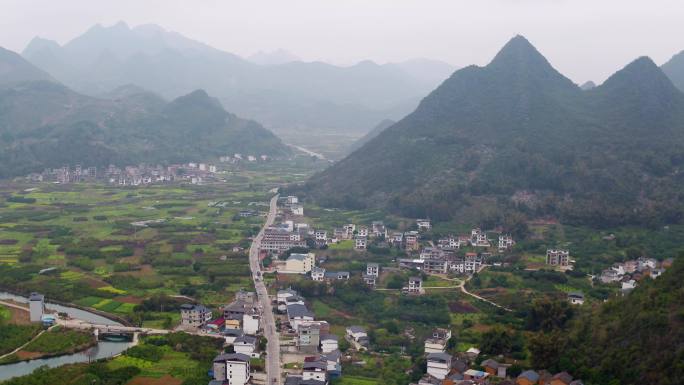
<point x="636" y="339"/>
<point x="45" y="124"/>
<point x="518" y="135"/>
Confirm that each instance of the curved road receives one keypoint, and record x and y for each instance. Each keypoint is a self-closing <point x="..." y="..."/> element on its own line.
<point x="268" y="321"/>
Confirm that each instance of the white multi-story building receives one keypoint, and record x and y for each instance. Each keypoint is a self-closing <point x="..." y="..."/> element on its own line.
<point x="232" y="368"/>
<point x="373" y="269"/>
<point x="505" y="242"/>
<point x="415" y="285"/>
<point x="329" y="343"/>
<point x="438" y="365"/>
<point x="194" y="315"/>
<point x="36" y="307"/>
<point x="558" y="257"/>
<point x="360" y="243"/>
<point x="250" y="321"/>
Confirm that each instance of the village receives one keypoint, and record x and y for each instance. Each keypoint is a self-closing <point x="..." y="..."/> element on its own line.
<point x="192" y="172"/>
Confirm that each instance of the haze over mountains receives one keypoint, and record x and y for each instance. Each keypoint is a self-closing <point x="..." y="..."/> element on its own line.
<point x="46" y="124"/>
<point x="288" y="95"/>
<point x="519" y="136"/>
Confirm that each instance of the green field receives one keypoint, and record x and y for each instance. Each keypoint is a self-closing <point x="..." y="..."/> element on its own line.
<point x="106" y="243"/>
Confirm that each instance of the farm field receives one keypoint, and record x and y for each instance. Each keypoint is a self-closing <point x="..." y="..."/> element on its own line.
<point x="134" y="251"/>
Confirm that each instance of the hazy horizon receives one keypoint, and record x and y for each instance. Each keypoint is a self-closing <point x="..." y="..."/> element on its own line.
<point x="583" y="40"/>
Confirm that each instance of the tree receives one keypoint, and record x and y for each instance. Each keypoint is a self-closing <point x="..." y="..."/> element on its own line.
<point x="548" y="315"/>
<point x="496" y="341"/>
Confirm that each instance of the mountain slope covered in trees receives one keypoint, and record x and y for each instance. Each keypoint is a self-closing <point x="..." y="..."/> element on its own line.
<point x="630" y="340"/>
<point x="518" y="135"/>
<point x="45" y="124"/>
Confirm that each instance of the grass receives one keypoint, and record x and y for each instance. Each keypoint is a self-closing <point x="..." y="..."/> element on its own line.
<point x="347" y="244"/>
<point x="355" y="380"/>
<point x="60" y="340"/>
<point x="13" y="336"/>
<point x="112" y="289"/>
<point x="5" y="314"/>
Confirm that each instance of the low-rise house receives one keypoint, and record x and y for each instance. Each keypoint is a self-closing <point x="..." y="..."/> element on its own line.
<point x="494" y="368"/>
<point x="373" y="269"/>
<point x="411" y="240"/>
<point x="396" y="239"/>
<point x="423" y="224"/>
<point x="362" y="231"/>
<point x="294" y="379"/>
<point x="647" y="263"/>
<point x="284" y="294"/>
<point x="505" y="242"/>
<point x="300" y="263"/>
<point x="576" y="298"/>
<point x="415" y="285"/>
<point x="250" y="321"/>
<point x="435" y="345"/>
<point x="437" y="341"/>
<point x="628" y="285"/>
<point x="558" y="257"/>
<point x="318" y="274"/>
<point x="230" y="334"/>
<point x="309" y="337"/>
<point x="562" y="378"/>
<point x="194" y="315"/>
<point x="321" y="235"/>
<point x="297" y="314"/>
<point x="231" y="369"/>
<point x="37" y="307"/>
<point x="370" y="280"/>
<point x="315" y="370"/>
<point x="246" y="344"/>
<point x="477" y="376"/>
<point x="337" y="275"/>
<point x="356" y="332"/>
<point x="438" y="365"/>
<point x="332" y="360"/>
<point x="329" y="343"/>
<point x="528" y="377"/>
<point x="360" y="243"/>
<point x="478" y="238"/>
<point x="378" y="228"/>
<point x="609" y="275"/>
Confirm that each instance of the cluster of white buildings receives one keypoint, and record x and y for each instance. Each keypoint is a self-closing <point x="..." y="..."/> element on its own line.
<point x="195" y="173"/>
<point x="239" y="324"/>
<point x="237" y="158"/>
<point x="311" y="337"/>
<point x="477" y="238"/>
<point x="629" y="273"/>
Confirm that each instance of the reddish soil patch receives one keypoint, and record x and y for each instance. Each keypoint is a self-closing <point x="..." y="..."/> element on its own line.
<point x="163" y="380"/>
<point x="19" y="317"/>
<point x="94" y="283"/>
<point x="28" y="355"/>
<point x="130" y="299"/>
<point x="481" y="328"/>
<point x="462" y="307"/>
<point x="145" y="271"/>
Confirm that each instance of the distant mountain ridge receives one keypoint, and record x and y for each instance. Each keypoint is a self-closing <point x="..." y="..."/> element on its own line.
<point x="45" y="124"/>
<point x="290" y="95"/>
<point x="516" y="135"/>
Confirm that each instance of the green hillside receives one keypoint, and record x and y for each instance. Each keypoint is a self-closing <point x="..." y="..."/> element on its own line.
<point x="516" y="135"/>
<point x="45" y="124"/>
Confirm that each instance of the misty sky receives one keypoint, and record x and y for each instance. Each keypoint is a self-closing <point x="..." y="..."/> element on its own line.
<point x="584" y="39"/>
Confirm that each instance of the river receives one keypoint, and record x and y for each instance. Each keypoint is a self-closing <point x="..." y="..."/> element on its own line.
<point x="104" y="349"/>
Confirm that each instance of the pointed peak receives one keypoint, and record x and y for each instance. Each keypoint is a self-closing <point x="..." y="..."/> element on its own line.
<point x="642" y="72"/>
<point x="640" y="80"/>
<point x="518" y="51"/>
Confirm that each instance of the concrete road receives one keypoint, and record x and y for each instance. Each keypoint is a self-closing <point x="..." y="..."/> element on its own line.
<point x="267" y="320"/>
